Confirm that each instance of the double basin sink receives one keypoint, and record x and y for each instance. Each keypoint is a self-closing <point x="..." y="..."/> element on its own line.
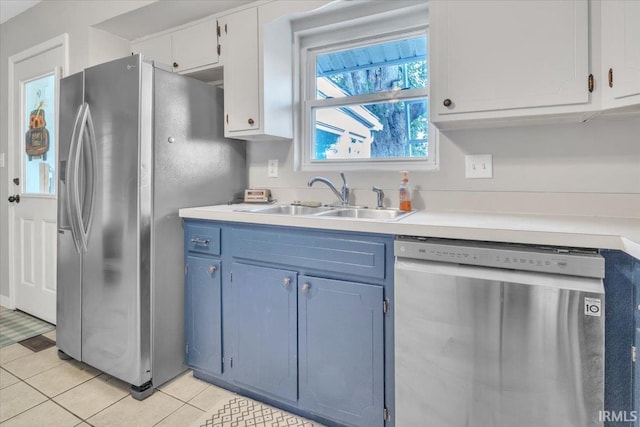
<point x="333" y="212"/>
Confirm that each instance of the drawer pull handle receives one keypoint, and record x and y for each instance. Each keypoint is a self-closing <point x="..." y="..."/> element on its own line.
<point x="200" y="241"/>
<point x="212" y="269"/>
<point x="286" y="282"/>
<point x="305" y="288"/>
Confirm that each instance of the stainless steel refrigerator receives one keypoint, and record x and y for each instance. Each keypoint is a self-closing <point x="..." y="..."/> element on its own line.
<point x="136" y="144"/>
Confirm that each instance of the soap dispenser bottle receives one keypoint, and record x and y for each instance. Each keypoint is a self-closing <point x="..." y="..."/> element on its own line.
<point x="404" y="193"/>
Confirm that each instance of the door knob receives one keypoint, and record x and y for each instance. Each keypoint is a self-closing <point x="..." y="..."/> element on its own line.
<point x="14" y="198"/>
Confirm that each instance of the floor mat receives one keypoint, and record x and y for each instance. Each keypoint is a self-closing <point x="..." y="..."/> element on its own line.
<point x="240" y="411"/>
<point x="37" y="343"/>
<point x="16" y="326"/>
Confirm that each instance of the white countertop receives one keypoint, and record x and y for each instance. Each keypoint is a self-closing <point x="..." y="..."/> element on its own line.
<point x="557" y="230"/>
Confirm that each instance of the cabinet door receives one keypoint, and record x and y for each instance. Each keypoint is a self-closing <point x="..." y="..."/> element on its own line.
<point x="341" y="350"/>
<point x="203" y="315"/>
<point x="195" y="46"/>
<point x="156" y="48"/>
<point x="621" y="52"/>
<point x="265" y="353"/>
<point x="241" y="86"/>
<point x="494" y="56"/>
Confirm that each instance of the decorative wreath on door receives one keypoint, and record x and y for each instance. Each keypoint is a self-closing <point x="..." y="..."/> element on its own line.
<point x="37" y="137"/>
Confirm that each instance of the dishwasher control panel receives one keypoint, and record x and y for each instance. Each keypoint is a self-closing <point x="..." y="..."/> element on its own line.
<point x="544" y="259"/>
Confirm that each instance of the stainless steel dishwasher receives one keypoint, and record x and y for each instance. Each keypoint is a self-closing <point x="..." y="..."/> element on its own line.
<point x="497" y="335"/>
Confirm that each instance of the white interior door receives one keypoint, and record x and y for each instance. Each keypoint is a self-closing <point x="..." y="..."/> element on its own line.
<point x="33" y="170"/>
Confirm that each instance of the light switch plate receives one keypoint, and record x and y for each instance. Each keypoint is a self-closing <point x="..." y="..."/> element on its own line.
<point x="478" y="166"/>
<point x="272" y="169"/>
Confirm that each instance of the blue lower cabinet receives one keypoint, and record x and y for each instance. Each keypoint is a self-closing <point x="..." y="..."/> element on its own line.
<point x="203" y="326"/>
<point x="265" y="344"/>
<point x="341" y="350"/>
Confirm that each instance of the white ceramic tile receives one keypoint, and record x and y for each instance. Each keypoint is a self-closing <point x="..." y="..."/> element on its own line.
<point x="93" y="396"/>
<point x="13" y="352"/>
<point x="34" y="363"/>
<point x="62" y="377"/>
<point x="6" y="379"/>
<point x="130" y="412"/>
<point x="209" y="397"/>
<point x="47" y="413"/>
<point x="18" y="398"/>
<point x="184" y="416"/>
<point x="185" y="387"/>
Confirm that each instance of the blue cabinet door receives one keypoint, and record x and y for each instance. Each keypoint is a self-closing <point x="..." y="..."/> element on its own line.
<point x="341" y="350"/>
<point x="265" y="347"/>
<point x="203" y="315"/>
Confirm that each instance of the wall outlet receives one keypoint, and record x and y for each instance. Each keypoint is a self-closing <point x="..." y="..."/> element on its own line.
<point x="272" y="169"/>
<point x="478" y="166"/>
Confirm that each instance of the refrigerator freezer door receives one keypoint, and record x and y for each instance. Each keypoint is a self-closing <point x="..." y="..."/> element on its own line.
<point x="115" y="296"/>
<point x="69" y="269"/>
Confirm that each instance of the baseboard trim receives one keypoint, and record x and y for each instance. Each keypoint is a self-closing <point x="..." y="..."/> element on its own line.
<point x="6" y="302"/>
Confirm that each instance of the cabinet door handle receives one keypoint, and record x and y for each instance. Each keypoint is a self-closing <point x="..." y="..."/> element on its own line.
<point x="175" y="65"/>
<point x="250" y="121"/>
<point x="212" y="269"/>
<point x="198" y="241"/>
<point x="305" y="288"/>
<point x="447" y="102"/>
<point x="610" y="77"/>
<point x="286" y="282"/>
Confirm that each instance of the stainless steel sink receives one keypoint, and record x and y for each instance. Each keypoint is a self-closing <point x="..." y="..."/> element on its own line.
<point x="291" y="210"/>
<point x="362" y="213"/>
<point x="352" y="212"/>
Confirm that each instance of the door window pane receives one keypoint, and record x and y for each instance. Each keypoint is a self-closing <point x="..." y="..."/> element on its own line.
<point x="38" y="143"/>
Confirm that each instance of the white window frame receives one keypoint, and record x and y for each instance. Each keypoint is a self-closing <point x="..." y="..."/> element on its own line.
<point x="345" y="35"/>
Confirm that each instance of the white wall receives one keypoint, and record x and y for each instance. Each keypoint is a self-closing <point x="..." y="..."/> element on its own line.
<point x="88" y="46"/>
<point x="588" y="168"/>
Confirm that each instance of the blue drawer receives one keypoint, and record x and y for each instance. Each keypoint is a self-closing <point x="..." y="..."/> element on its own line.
<point x="202" y="239"/>
<point x="351" y="255"/>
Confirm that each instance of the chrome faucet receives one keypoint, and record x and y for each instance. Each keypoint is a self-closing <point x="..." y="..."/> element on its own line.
<point x="344" y="196"/>
<point x="380" y="194"/>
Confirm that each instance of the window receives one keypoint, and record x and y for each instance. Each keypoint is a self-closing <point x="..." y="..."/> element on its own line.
<point x="365" y="98"/>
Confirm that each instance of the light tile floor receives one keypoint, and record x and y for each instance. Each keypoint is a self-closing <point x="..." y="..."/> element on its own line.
<point x="40" y="389"/>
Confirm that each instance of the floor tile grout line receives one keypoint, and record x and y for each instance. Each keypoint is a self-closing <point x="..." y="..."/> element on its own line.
<point x="31" y="407"/>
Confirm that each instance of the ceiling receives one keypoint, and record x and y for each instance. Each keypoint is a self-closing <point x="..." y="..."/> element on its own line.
<point x="162" y="15"/>
<point x="155" y="17"/>
<point x="11" y="8"/>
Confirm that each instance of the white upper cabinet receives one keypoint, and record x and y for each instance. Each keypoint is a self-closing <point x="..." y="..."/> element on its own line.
<point x="505" y="59"/>
<point x="196" y="46"/>
<point x="241" y="73"/>
<point x="620" y="53"/>
<point x="258" y="69"/>
<point x="186" y="50"/>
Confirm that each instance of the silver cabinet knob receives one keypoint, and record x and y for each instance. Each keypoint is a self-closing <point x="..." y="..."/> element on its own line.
<point x="305" y="287"/>
<point x="212" y="269"/>
<point x="286" y="281"/>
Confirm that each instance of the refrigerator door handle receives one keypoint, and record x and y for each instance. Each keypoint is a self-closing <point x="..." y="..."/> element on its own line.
<point x="91" y="175"/>
<point x="71" y="178"/>
<point x="85" y="133"/>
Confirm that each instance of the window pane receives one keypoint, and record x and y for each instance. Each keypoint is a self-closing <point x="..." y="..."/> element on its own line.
<point x="383" y="130"/>
<point x="383" y="67"/>
<point x="39" y="134"/>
